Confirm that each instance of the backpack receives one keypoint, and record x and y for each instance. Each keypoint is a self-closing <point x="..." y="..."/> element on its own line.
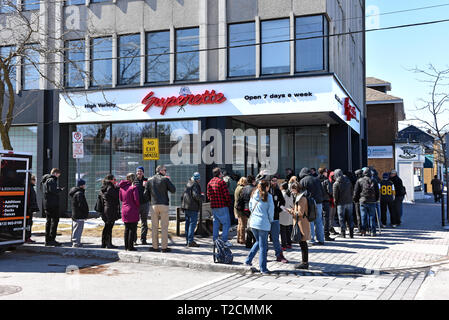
<point x="222" y="254"/>
<point x="311" y="207"/>
<point x="368" y="190"/>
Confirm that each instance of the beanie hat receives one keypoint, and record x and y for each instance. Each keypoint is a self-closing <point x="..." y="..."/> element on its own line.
<point x="196" y="176"/>
<point x="141" y="168"/>
<point x="386" y="176"/>
<point x="80" y="183"/>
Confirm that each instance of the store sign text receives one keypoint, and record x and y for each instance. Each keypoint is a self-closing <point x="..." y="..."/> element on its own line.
<point x="350" y="111"/>
<point x="206" y="98"/>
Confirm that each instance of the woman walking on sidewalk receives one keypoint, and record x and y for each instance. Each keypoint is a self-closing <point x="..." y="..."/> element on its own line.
<point x="109" y="194"/>
<point x="129" y="196"/>
<point x="299" y="215"/>
<point x="262" y="215"/>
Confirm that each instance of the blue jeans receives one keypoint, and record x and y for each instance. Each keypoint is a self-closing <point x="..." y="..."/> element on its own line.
<point x="275" y="232"/>
<point x="344" y="212"/>
<point x="368" y="216"/>
<point x="221" y="216"/>
<point x="262" y="241"/>
<point x="191" y="219"/>
<point x="317" y="226"/>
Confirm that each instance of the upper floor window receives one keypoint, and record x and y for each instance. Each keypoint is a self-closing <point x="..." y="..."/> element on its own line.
<point x="275" y="46"/>
<point x="187" y="54"/>
<point x="8" y="6"/>
<point x="75" y="2"/>
<point x="311" y="43"/>
<point x="101" y="62"/>
<point x="158" y="56"/>
<point x="11" y="70"/>
<point x="75" y="64"/>
<point x="129" y="59"/>
<point x="242" y="51"/>
<point x="28" y="5"/>
<point x="31" y="67"/>
<point x="98" y="1"/>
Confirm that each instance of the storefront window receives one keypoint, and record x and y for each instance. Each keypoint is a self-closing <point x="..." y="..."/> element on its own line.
<point x="275" y="56"/>
<point x="75" y="65"/>
<point x="286" y="150"/>
<point x="311" y="147"/>
<point x="96" y="162"/>
<point x="24" y="139"/>
<point x="310" y="53"/>
<point x="129" y="59"/>
<point x="4" y="53"/>
<point x="238" y="148"/>
<point x="187" y="55"/>
<point x="158" y="57"/>
<point x="127" y="148"/>
<point x="101" y="65"/>
<point x="242" y="59"/>
<point x="30" y="73"/>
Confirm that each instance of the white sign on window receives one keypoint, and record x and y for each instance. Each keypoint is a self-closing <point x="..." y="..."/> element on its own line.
<point x="380" y="152"/>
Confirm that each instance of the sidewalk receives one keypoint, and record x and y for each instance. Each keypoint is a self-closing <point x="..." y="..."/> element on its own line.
<point x="419" y="242"/>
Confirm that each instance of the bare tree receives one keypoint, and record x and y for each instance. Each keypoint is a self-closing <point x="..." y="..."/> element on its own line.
<point x="435" y="105"/>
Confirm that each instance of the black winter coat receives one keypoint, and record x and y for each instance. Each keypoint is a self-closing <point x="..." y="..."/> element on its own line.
<point x="141" y="188"/>
<point x="311" y="184"/>
<point x="327" y="190"/>
<point x="361" y="191"/>
<point x="51" y="192"/>
<point x="191" y="197"/>
<point x="158" y="187"/>
<point x="278" y="199"/>
<point x="33" y="207"/>
<point x="110" y="194"/>
<point x="246" y="194"/>
<point x="342" y="191"/>
<point x="80" y="209"/>
<point x="398" y="186"/>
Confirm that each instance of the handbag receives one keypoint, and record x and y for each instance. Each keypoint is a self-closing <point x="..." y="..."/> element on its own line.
<point x="296" y="232"/>
<point x="99" y="205"/>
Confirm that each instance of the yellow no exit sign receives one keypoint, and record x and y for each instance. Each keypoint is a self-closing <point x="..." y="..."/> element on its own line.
<point x="150" y="148"/>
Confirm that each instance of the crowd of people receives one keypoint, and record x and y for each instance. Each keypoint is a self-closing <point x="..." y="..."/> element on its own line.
<point x="264" y="208"/>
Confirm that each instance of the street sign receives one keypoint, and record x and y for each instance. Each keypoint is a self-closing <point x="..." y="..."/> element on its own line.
<point x="150" y="148"/>
<point x="78" y="150"/>
<point x="77" y="137"/>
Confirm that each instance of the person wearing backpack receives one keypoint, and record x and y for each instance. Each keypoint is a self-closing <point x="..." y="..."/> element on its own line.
<point x="144" y="208"/>
<point x="51" y="191"/>
<point x="342" y="192"/>
<point x="299" y="213"/>
<point x="109" y="195"/>
<point x="314" y="189"/>
<point x="239" y="207"/>
<point x="191" y="203"/>
<point x="262" y="215"/>
<point x="366" y="192"/>
<point x="80" y="211"/>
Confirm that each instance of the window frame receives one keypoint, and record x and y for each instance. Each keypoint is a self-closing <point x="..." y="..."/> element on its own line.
<point x="22" y="69"/>
<point x="66" y="64"/>
<point x="119" y="58"/>
<point x="170" y="54"/>
<point x="263" y="75"/>
<point x="228" y="50"/>
<point x="175" y="36"/>
<point x="91" y="62"/>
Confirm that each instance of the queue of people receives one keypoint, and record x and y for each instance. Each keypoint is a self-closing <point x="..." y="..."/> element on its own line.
<point x="263" y="207"/>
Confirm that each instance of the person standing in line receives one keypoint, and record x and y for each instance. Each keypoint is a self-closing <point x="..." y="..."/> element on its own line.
<point x="129" y="196"/>
<point x="313" y="172"/>
<point x="232" y="185"/>
<point x="299" y="214"/>
<point x="437" y="189"/>
<point x="327" y="191"/>
<point x="218" y="194"/>
<point x="109" y="194"/>
<point x="366" y="192"/>
<point x="333" y="206"/>
<point x="144" y="205"/>
<point x="158" y="187"/>
<point x="32" y="208"/>
<point x="247" y="191"/>
<point x="343" y="192"/>
<point x="387" y="201"/>
<point x="51" y="191"/>
<point x="358" y="175"/>
<point x="191" y="203"/>
<point x="285" y="218"/>
<point x="288" y="174"/>
<point x="80" y="211"/>
<point x="239" y="207"/>
<point x="262" y="215"/>
<point x="279" y="201"/>
<point x="313" y="186"/>
<point x="399" y="194"/>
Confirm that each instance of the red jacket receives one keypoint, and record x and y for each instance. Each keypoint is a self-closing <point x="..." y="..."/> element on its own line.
<point x="129" y="196"/>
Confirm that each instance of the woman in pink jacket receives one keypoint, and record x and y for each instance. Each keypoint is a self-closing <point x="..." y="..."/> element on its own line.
<point x="129" y="196"/>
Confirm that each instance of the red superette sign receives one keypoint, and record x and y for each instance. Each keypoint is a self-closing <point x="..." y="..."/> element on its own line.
<point x="350" y="111"/>
<point x="193" y="99"/>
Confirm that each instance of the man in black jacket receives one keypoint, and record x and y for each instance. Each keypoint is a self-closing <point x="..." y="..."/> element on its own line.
<point x="191" y="203"/>
<point x="437" y="188"/>
<point x="275" y="231"/>
<point x="51" y="191"/>
<point x="342" y="192"/>
<point x="144" y="205"/>
<point x="313" y="186"/>
<point x="366" y="192"/>
<point x="158" y="187"/>
<point x="32" y="208"/>
<point x="399" y="194"/>
<point x="327" y="193"/>
<point x="80" y="211"/>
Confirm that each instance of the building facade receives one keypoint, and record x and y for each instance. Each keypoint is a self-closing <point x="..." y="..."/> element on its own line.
<point x="280" y="82"/>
